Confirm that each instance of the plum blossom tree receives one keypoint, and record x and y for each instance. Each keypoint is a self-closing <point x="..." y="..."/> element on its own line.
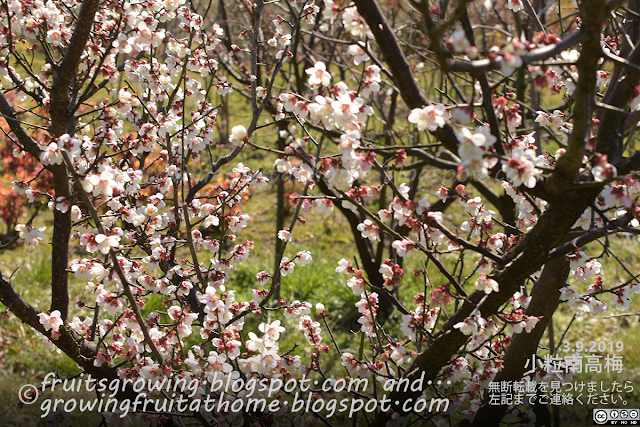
<point x="528" y="125"/>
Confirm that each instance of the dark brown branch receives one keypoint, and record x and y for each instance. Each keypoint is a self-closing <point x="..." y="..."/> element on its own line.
<point x="365" y="252"/>
<point x="535" y="55"/>
<point x="23" y="137"/>
<point x="82" y="352"/>
<point x="430" y="159"/>
<point x="584" y="96"/>
<point x="399" y="67"/>
<point x="527" y="256"/>
<point x="534" y="16"/>
<point x="620" y="91"/>
<point x="61" y="221"/>
<point x="589" y="237"/>
<point x="545" y="298"/>
<point x="487" y="98"/>
<point x="64" y="73"/>
<point x="114" y="259"/>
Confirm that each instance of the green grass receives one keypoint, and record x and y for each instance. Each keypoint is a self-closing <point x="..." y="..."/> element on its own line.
<point x="23" y="358"/>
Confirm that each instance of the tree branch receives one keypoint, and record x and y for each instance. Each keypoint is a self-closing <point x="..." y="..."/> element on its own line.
<point x="570" y="162"/>
<point x="82" y="352"/>
<point x="399" y="67"/>
<point x="545" y="298"/>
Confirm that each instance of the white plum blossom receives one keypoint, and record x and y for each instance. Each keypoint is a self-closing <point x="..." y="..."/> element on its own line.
<point x="400" y="355"/>
<point x="238" y="135"/>
<point x="369" y="231"/>
<point x="51" y="321"/>
<point x="463" y="115"/>
<point x="238" y="222"/>
<point x="521" y="168"/>
<point x="357" y="285"/>
<point x="283" y="165"/>
<point x="104" y="183"/>
<point x="590" y="269"/>
<point x="324" y="206"/>
<point x="286" y="266"/>
<point x="105" y="243"/>
<point x="473" y="325"/>
<point x="304" y="258"/>
<point x="284" y="235"/>
<point x="508" y="65"/>
<point x="486" y="284"/>
<point x="587" y="218"/>
<point x="596" y="306"/>
<point x="110" y="302"/>
<point x="574" y="299"/>
<point x="403" y="248"/>
<point x="459" y="41"/>
<point x="355" y="24"/>
<point x="318" y="75"/>
<point x="603" y="78"/>
<point x="429" y="118"/>
<point x="359" y="54"/>
<point x="372" y="80"/>
<point x="553" y="119"/>
<point x="472" y="151"/>
<point x="386" y="271"/>
<point x="604" y="171"/>
<point x="297" y="309"/>
<point x="355" y="367"/>
<point x="343" y="266"/>
<point x="577" y="260"/>
<point x="51" y="155"/>
<point x="471" y="145"/>
<point x="515" y="5"/>
<point x="271" y="332"/>
<point x="31" y="235"/>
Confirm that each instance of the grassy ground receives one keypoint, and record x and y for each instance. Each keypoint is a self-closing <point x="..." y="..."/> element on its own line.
<point x="23" y="358"/>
